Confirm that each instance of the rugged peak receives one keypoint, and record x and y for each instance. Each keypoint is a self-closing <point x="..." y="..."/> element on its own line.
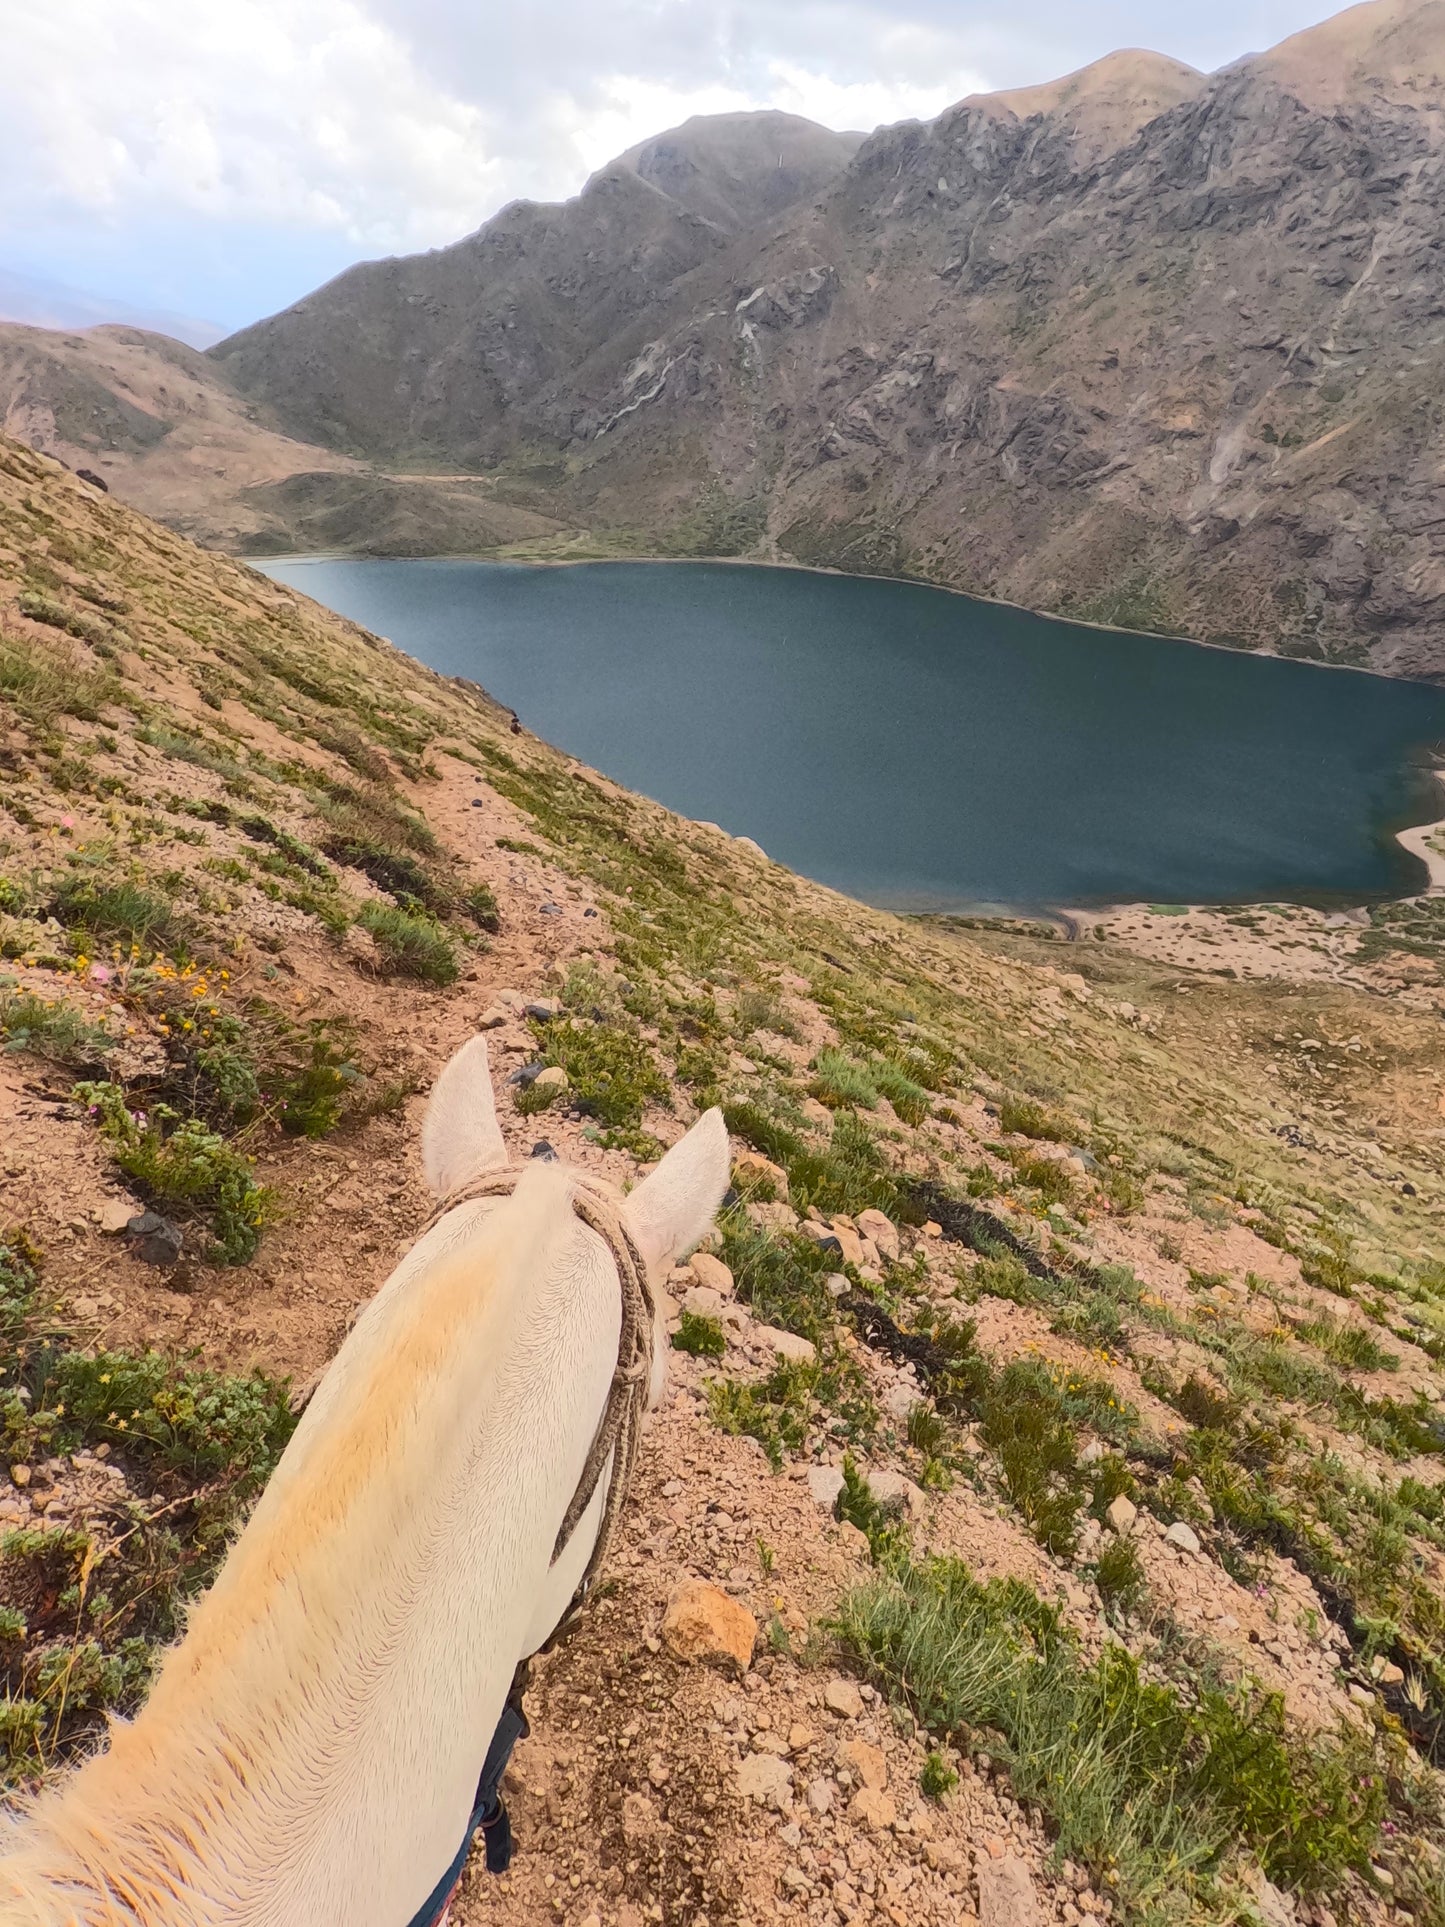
<point x="736" y="170"/>
<point x="1386" y="49"/>
<point x="1104" y="104"/>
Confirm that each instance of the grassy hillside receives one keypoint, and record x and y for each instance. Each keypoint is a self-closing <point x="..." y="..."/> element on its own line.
<point x="1152" y="1236"/>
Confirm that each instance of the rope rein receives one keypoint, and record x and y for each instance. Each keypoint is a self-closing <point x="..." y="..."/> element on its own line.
<point x="619" y="1431"/>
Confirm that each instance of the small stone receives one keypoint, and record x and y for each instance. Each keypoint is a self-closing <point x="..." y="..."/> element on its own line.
<point x="712" y="1273"/>
<point x="1006" y="1895"/>
<point x="1093" y="1452"/>
<point x="494" y="1016"/>
<point x="825" y="1482"/>
<point x="932" y="1230"/>
<point x="849" y="1243"/>
<point x="703" y="1302"/>
<point x="788" y="1345"/>
<point x="543" y="1009"/>
<point x="1183" y="1536"/>
<point x="20" y="1475"/>
<point x="767" y="1779"/>
<point x="703" y="1623"/>
<point x="873" y="1808"/>
<point x="1391" y="1675"/>
<point x="114" y="1215"/>
<point x="895" y="1493"/>
<point x="553" y="1079"/>
<point x="1121" y="1515"/>
<point x="820" y="1796"/>
<point x="867" y="1762"/>
<point x="800" y="1737"/>
<point x="853" y="1540"/>
<point x="751" y="1167"/>
<point x="1361" y="1695"/>
<point x="158" y="1241"/>
<point x="884" y="1233"/>
<point x="841" y="1696"/>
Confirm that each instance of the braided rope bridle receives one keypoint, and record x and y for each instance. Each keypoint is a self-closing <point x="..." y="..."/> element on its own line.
<point x="619" y="1430"/>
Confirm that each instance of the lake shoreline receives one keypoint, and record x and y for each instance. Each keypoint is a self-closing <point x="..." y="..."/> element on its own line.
<point x="845" y="575"/>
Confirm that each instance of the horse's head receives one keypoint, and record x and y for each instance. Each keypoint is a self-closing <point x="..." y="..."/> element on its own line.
<point x="668" y="1212"/>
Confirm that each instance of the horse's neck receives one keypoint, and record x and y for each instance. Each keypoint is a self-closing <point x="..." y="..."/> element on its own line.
<point x="309" y="1754"/>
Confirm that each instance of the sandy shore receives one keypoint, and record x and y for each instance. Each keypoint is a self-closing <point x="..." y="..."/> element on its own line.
<point x="1418" y="842"/>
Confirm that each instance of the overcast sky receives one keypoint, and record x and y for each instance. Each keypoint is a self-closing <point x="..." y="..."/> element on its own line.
<point x="217" y="158"/>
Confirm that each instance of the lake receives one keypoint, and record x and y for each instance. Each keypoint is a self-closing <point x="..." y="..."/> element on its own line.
<point x="927" y="751"/>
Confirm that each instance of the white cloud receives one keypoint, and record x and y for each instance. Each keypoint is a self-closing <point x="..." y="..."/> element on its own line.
<point x="303" y="113"/>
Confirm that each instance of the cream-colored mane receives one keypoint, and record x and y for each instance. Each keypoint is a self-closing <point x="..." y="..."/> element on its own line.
<point x="308" y="1753"/>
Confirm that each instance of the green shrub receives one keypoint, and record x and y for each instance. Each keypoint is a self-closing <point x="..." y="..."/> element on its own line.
<point x="699" y="1336"/>
<point x="936" y="1777"/>
<point x="205" y="1424"/>
<point x="1024" y="1424"/>
<point x="1046" y="1176"/>
<point x="310" y="1095"/>
<point x="926" y="1431"/>
<point x="411" y="944"/>
<point x="775" y="1413"/>
<point x="19" y="1282"/>
<point x="1111" y="1480"/>
<point x="611" y="1071"/>
<point x="1200" y="1403"/>
<point x="179" y="1164"/>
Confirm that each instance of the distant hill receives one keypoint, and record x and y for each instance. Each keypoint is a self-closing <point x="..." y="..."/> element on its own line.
<point x="41" y="303"/>
<point x="1144" y="346"/>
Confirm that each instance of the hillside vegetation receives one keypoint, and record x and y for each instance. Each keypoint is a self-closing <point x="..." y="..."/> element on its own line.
<point x="1066" y="1371"/>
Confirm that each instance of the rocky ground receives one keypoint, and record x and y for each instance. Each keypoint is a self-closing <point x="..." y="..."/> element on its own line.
<point x="1079" y="1265"/>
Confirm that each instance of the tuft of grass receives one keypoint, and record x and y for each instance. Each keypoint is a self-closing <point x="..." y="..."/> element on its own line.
<point x="480" y="903"/>
<point x="1352" y="1346"/>
<point x="1022" y="1117"/>
<point x="838" y="1081"/>
<point x="936" y="1777"/>
<point x="1148" y="1788"/>
<point x="1119" y="1574"/>
<point x="411" y="943"/>
<point x="43" y="684"/>
<point x="1023" y="1422"/>
<point x="51" y="1029"/>
<point x="699" y="1336"/>
<point x="126" y="912"/>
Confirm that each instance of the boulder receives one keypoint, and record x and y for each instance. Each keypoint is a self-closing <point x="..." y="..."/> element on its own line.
<point x="849" y="1243"/>
<point x="156" y="1240"/>
<point x="1121" y="1515"/>
<point x="1183" y="1536"/>
<point x="712" y="1273"/>
<point x="703" y="1302"/>
<point x="704" y="1623"/>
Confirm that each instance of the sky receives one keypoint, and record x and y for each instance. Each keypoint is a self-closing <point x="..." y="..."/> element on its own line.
<point x="211" y="161"/>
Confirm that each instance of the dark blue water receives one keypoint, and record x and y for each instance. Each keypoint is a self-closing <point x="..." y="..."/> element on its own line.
<point x="922" y="750"/>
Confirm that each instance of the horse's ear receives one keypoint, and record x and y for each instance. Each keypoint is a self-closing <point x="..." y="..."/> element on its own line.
<point x="460" y="1136"/>
<point x="675" y="1205"/>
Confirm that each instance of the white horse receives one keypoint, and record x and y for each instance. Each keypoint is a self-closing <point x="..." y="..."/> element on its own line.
<point x="309" y="1753"/>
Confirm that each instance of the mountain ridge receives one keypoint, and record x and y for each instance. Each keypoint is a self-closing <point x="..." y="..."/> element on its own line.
<point x="1176" y="372"/>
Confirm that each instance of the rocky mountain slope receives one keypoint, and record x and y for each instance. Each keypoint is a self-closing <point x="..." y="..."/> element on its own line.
<point x="1052" y="1472"/>
<point x="1141" y="346"/>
